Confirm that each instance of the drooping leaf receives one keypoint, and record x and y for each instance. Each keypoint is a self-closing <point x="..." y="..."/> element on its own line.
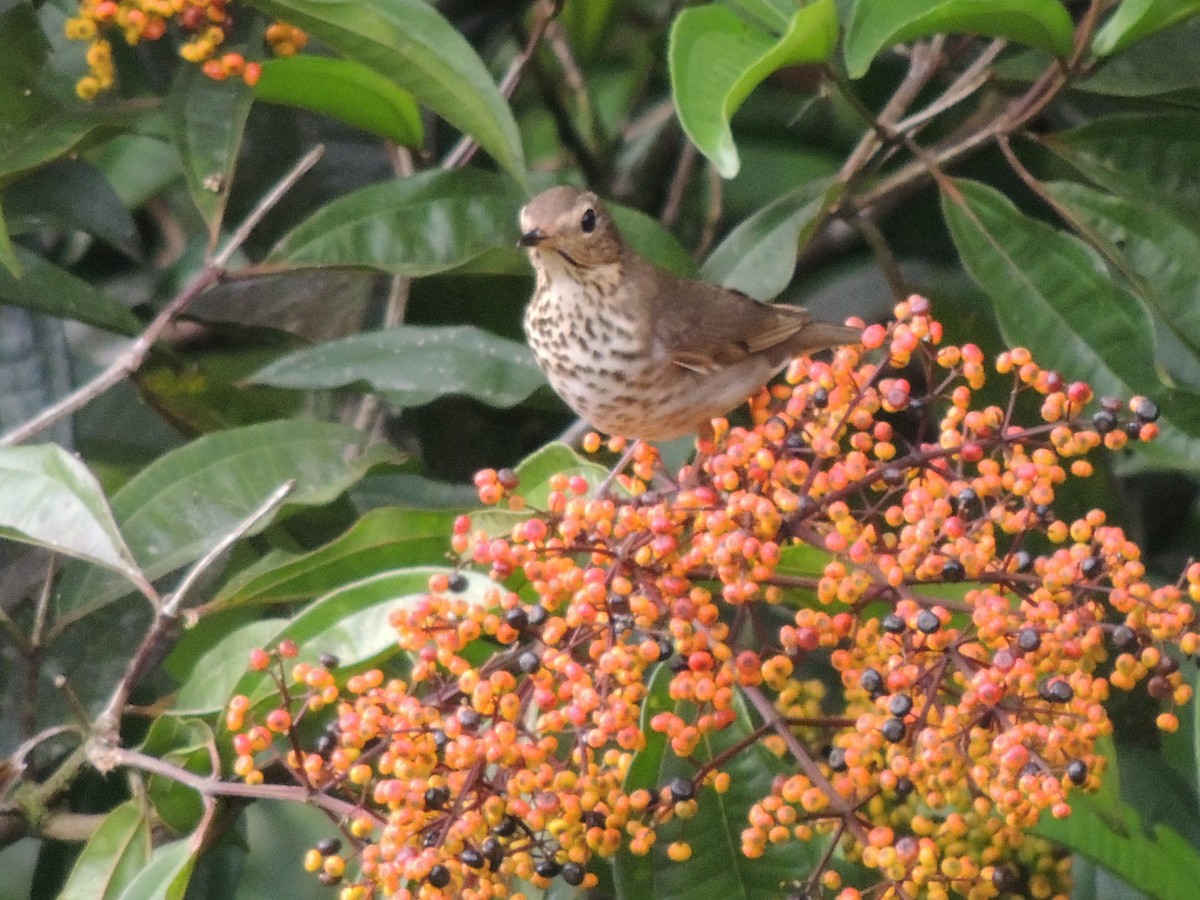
<point x="1140" y="156"/>
<point x="1052" y="295"/>
<point x="414" y="364"/>
<point x="1150" y="856"/>
<point x="717" y="58"/>
<point x="384" y="538"/>
<point x="759" y="255"/>
<point x="118" y="849"/>
<point x="409" y="42"/>
<point x="70" y="194"/>
<point x="208" y="119"/>
<point x="1134" y="20"/>
<point x="876" y="24"/>
<point x="426" y="223"/>
<point x="1162" y="252"/>
<point x="344" y="90"/>
<point x="53" y="501"/>
<point x="45" y="288"/>
<point x="183" y="503"/>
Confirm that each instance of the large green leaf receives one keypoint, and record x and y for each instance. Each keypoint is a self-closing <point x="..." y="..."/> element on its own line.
<point x="717" y="58"/>
<point x="1134" y="20"/>
<point x="166" y="875"/>
<point x="208" y="119"/>
<point x="45" y="288"/>
<point x="70" y="194"/>
<point x="185" y="502"/>
<point x="717" y="867"/>
<point x="1052" y="295"/>
<point x="759" y="255"/>
<point x="1140" y="155"/>
<point x="412" y="226"/>
<point x="118" y="849"/>
<point x="410" y="43"/>
<point x="345" y="90"/>
<point x="876" y="24"/>
<point x="52" y="500"/>
<point x="1150" y="856"/>
<point x="1161" y="251"/>
<point x="414" y="364"/>
<point x="649" y="238"/>
<point x="384" y="538"/>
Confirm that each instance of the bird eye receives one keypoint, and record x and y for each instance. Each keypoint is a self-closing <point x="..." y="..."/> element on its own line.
<point x="588" y="222"/>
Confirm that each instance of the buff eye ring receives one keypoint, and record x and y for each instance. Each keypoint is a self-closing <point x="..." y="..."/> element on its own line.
<point x="588" y="222"/>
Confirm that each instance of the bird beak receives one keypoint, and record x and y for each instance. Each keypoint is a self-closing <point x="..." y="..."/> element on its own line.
<point x="531" y="238"/>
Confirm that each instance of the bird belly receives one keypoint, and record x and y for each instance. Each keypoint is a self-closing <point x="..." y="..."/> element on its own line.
<point x="598" y="361"/>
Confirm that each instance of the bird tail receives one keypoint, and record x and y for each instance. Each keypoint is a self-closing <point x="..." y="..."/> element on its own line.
<point x="821" y="336"/>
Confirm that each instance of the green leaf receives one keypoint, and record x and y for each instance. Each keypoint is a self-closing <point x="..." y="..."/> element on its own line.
<point x="53" y="501"/>
<point x="426" y="223"/>
<point x="409" y="42"/>
<point x="353" y="622"/>
<point x="414" y="364"/>
<point x="717" y="58"/>
<point x="536" y="470"/>
<point x="1161" y="251"/>
<point x="62" y="131"/>
<point x="70" y="194"/>
<point x="759" y="256"/>
<point x="649" y="238"/>
<point x="118" y="849"/>
<point x="346" y="91"/>
<point x="45" y="288"/>
<point x="208" y="119"/>
<point x="717" y="867"/>
<point x="1149" y="856"/>
<point x="1052" y="295"/>
<point x="1134" y="20"/>
<point x="138" y="167"/>
<point x="210" y="684"/>
<point x="186" y="743"/>
<point x="167" y="874"/>
<point x="182" y="504"/>
<point x="385" y="538"/>
<point x="1142" y="156"/>
<point x="876" y="24"/>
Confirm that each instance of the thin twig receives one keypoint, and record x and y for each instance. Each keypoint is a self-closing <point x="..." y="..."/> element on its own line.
<point x="462" y="152"/>
<point x="273" y="501"/>
<point x="679" y="182"/>
<point x="105" y="730"/>
<point x="131" y="360"/>
<point x="214" y="787"/>
<point x="368" y="417"/>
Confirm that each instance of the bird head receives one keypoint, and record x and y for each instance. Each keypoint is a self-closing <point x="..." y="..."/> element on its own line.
<point x="571" y="224"/>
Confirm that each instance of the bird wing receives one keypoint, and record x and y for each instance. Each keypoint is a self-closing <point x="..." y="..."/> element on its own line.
<point x="704" y="327"/>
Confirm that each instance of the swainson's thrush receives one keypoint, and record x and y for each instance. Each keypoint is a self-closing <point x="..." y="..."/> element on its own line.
<point x="639" y="352"/>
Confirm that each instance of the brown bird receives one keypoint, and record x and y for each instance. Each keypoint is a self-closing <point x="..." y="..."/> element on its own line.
<point x="639" y="352"/>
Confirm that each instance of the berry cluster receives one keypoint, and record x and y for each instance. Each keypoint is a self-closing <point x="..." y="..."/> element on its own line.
<point x="202" y="27"/>
<point x="878" y="529"/>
